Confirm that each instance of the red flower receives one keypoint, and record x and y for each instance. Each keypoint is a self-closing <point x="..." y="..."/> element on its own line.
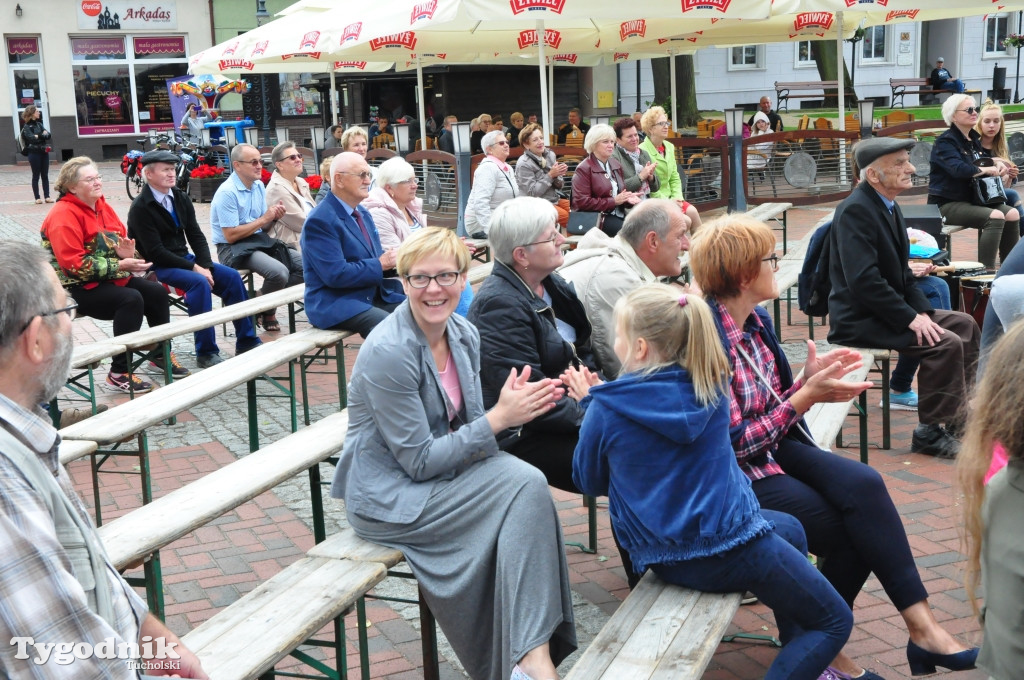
<point x="314" y="182"/>
<point x="207" y="171"/>
<point x="265" y="177"/>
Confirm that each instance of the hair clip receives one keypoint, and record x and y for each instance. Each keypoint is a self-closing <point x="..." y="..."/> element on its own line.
<point x="682" y="301"/>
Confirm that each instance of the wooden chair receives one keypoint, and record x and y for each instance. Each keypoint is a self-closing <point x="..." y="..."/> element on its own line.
<point x="826" y="145"/>
<point x="431" y="144"/>
<point x="852" y="121"/>
<point x="575" y="138"/>
<point x="704" y="130"/>
<point x="898" y="118"/>
<point x="384" y="141"/>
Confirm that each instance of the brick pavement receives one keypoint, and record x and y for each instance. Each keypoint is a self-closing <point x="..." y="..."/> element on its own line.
<point x="211" y="568"/>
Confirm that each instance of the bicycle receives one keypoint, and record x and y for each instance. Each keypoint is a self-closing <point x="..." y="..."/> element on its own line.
<point x="189" y="157"/>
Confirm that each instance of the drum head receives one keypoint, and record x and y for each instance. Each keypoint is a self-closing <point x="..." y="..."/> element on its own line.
<point x="921" y="157"/>
<point x="965" y="265"/>
<point x="983" y="281"/>
<point x="800" y="169"/>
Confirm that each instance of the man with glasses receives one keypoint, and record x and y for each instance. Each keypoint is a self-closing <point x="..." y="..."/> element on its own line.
<point x="239" y="217"/>
<point x="942" y="79"/>
<point x="163" y="223"/>
<point x="58" y="584"/>
<point x="345" y="265"/>
<point x="876" y="302"/>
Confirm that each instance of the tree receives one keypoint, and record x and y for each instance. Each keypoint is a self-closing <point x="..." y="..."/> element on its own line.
<point x="686" y="88"/>
<point x="824" y="54"/>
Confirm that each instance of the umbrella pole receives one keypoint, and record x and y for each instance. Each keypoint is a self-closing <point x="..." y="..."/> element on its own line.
<point x="334" y="99"/>
<point x="551" y="91"/>
<point x="543" y="78"/>
<point x="841" y="95"/>
<point x="423" y="107"/>
<point x="672" y="86"/>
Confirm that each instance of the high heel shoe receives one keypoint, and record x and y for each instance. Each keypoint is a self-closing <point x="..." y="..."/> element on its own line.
<point x="923" y="662"/>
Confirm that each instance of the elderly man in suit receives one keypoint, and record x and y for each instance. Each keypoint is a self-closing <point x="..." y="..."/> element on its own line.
<point x="875" y="301"/>
<point x="345" y="266"/>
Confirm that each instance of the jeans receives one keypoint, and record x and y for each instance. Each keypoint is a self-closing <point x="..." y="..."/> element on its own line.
<point x="937" y="292"/>
<point x="955" y="85"/>
<point x="227" y="285"/>
<point x="814" y="622"/>
<point x="125" y="306"/>
<point x="40" y="164"/>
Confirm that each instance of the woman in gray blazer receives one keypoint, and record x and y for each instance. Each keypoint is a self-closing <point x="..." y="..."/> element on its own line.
<point x="421" y="472"/>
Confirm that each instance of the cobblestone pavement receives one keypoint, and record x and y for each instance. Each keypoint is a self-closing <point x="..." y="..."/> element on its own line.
<point x="219" y="563"/>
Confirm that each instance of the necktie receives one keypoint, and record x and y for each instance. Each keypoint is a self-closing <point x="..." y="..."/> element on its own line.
<point x="362" y="227"/>
<point x="169" y="206"/>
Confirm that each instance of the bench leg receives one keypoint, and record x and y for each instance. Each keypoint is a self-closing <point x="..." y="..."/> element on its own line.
<point x="770" y="639"/>
<point x="154" y="585"/>
<point x="254" y="430"/>
<point x="886" y="439"/>
<point x="428" y="639"/>
<point x="364" y="645"/>
<point x="777" y="308"/>
<point x="862" y="417"/>
<point x="317" y="501"/>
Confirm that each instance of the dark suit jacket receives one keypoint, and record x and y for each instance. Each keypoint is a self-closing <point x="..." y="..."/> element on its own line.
<point x="874" y="295"/>
<point x="342" y="270"/>
<point x="159" y="239"/>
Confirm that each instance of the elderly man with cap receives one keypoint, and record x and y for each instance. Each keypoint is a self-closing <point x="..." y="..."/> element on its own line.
<point x="875" y="301"/>
<point x="163" y="223"/>
<point x="942" y="79"/>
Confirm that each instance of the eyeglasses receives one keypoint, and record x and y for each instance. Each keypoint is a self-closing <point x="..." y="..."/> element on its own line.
<point x="537" y="243"/>
<point x="774" y="260"/>
<point x="500" y="144"/>
<point x="256" y="162"/>
<point x="365" y="175"/>
<point x="95" y="179"/>
<point x="662" y="124"/>
<point x="444" y="279"/>
<point x="293" y="157"/>
<point x="971" y="110"/>
<point x="412" y="180"/>
<point x="71" y="310"/>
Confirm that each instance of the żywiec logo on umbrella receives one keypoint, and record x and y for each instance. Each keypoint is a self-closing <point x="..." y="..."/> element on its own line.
<point x="309" y="40"/>
<point x="230" y="49"/>
<point x="423" y="10"/>
<point x="232" y="64"/>
<point x="902" y="14"/>
<point x="315" y="56"/>
<point x="812" y="22"/>
<point x="634" y="28"/>
<point x="351" y="32"/>
<point x="261" y="48"/>
<point x="405" y="39"/>
<point x="552" y="38"/>
<point x="564" y="58"/>
<point x="851" y="3"/>
<point x="349" y="64"/>
<point x="720" y="5"/>
<point x="520" y="6"/>
<point x="620" y="56"/>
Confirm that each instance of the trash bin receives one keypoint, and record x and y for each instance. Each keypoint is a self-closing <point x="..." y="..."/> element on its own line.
<point x="999" y="77"/>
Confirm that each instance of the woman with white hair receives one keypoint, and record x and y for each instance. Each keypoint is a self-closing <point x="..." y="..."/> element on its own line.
<point x="493" y="184"/>
<point x="598" y="184"/>
<point x="949" y="184"/>
<point x="396" y="210"/>
<point x="528" y="315"/>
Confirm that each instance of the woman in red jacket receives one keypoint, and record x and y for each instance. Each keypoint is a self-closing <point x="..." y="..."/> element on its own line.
<point x="95" y="260"/>
<point x="598" y="184"/>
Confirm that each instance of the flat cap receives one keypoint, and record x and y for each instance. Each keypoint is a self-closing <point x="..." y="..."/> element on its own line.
<point x="159" y="156"/>
<point x="867" y="151"/>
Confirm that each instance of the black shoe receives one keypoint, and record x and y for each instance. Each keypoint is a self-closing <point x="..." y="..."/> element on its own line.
<point x="934" y="440"/>
<point x="207" y="360"/>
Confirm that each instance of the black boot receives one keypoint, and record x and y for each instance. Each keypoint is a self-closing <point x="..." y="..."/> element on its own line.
<point x="934" y="440"/>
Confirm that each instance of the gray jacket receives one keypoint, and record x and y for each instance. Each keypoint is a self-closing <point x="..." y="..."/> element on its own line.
<point x="633" y="181"/>
<point x="400" y="442"/>
<point x="534" y="180"/>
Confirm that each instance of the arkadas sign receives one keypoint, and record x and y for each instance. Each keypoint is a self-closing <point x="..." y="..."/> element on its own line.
<point x="126" y="15"/>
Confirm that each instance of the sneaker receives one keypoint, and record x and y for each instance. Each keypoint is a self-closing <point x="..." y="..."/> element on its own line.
<point x="128" y="383"/>
<point x="207" y="360"/>
<point x="177" y="370"/>
<point x="833" y="674"/>
<point x="70" y="416"/>
<point x="934" y="440"/>
<point x="748" y="598"/>
<point x="902" y="401"/>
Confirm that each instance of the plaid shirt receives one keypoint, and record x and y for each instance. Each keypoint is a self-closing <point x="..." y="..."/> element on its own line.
<point x="40" y="597"/>
<point x="767" y="421"/>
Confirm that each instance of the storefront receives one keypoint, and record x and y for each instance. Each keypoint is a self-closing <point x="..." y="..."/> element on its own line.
<point x="98" y="70"/>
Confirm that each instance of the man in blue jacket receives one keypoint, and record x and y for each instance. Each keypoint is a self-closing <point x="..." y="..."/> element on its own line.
<point x="344" y="264"/>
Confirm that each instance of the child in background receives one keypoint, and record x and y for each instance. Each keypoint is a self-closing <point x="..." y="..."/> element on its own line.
<point x="656" y="442"/>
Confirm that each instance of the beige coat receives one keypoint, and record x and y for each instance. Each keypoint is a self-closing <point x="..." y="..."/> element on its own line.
<point x="297" y="205"/>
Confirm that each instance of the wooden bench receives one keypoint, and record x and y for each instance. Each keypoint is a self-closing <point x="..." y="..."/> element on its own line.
<point x="825" y="421"/>
<point x="784" y="91"/>
<point x="882" y="358"/>
<point x="767" y="212"/>
<point x="919" y="86"/>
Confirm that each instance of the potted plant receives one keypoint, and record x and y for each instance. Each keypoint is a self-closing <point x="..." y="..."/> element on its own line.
<point x="204" y="181"/>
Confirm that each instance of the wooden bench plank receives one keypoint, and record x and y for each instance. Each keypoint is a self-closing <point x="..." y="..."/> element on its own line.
<point x="768" y="211"/>
<point x="697" y="640"/>
<point x="74" y="449"/>
<point x="348" y="546"/>
<point x="826" y="420"/>
<point x="145" y="530"/>
<point x="149" y="409"/>
<point x="248" y="638"/>
<point x="85" y="356"/>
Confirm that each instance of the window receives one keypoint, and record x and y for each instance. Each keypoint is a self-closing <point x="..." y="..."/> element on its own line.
<point x="804" y="55"/>
<point x="874" y="47"/>
<point x="996" y="30"/>
<point x="121" y="82"/>
<point x="298" y="98"/>
<point x="746" y="57"/>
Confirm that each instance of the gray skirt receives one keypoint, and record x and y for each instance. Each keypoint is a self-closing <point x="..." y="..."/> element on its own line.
<point x="487" y="552"/>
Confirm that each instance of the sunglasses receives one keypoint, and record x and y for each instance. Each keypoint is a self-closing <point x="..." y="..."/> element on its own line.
<point x="256" y="162"/>
<point x="971" y="110"/>
<point x="293" y="157"/>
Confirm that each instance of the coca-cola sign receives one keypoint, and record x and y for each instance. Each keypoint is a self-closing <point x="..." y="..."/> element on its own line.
<point x="120" y="15"/>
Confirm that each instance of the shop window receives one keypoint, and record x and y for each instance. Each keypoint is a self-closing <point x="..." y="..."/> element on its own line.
<point x="298" y="98"/>
<point x="121" y="82"/>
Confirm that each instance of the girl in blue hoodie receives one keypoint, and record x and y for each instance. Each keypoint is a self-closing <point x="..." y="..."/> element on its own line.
<point x="656" y="442"/>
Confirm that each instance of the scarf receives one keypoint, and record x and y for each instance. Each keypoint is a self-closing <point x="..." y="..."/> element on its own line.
<point x="634" y="156"/>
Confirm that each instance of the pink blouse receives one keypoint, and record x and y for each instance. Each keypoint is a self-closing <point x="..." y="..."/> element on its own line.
<point x="450" y="383"/>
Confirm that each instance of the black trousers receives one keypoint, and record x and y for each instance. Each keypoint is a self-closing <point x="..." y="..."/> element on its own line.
<point x="125" y="306"/>
<point x="40" y="164"/>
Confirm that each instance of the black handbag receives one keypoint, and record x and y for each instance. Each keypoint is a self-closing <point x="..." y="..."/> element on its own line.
<point x="988" y="190"/>
<point x="580" y="222"/>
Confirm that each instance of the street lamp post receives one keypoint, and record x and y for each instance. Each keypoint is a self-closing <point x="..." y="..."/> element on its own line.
<point x="737" y="170"/>
<point x="261" y="15"/>
<point x="460" y="140"/>
<point x="866" y="111"/>
<point x="401" y="131"/>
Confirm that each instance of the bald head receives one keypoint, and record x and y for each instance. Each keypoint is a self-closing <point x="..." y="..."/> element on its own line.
<point x="350" y="178"/>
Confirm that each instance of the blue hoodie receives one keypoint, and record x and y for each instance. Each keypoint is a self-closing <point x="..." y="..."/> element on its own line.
<point x="667" y="466"/>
